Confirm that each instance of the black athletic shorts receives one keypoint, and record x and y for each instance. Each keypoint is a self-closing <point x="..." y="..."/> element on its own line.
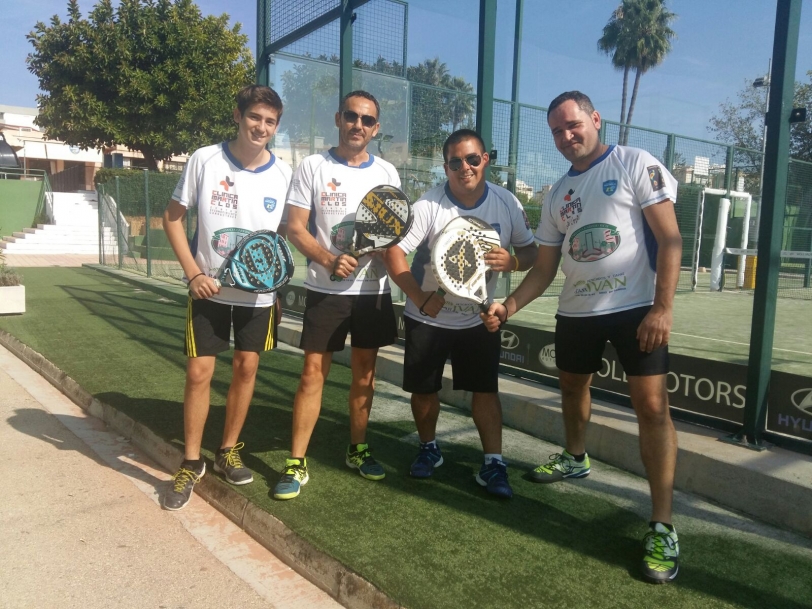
<point x="369" y="319"/>
<point x="579" y="344"/>
<point x="474" y="354"/>
<point x="208" y="328"/>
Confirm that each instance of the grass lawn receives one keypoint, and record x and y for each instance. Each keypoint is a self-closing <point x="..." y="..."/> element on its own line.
<point x="441" y="543"/>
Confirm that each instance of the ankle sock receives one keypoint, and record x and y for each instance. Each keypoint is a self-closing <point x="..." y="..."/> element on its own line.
<point x="195" y="465"/>
<point x="490" y="457"/>
<point x="431" y="444"/>
<point x="670" y="527"/>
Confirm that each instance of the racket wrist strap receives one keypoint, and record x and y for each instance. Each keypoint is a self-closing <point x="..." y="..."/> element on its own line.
<point x="516" y="260"/>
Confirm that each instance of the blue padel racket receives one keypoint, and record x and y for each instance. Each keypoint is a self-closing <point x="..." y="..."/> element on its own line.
<point x="382" y="220"/>
<point x="260" y="263"/>
<point x="458" y="259"/>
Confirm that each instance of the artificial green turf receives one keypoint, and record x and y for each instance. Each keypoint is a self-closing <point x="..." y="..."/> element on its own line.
<point x="436" y="543"/>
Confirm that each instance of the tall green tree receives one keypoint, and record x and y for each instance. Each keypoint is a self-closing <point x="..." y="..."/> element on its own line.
<point x="152" y="75"/>
<point x="741" y="122"/>
<point x="637" y="37"/>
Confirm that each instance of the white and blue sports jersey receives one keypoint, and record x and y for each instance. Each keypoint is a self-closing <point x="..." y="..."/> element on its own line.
<point x="332" y="190"/>
<point x="497" y="206"/>
<point x="596" y="216"/>
<point x="231" y="202"/>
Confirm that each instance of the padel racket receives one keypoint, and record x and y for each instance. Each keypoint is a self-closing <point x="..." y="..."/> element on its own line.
<point x="382" y="220"/>
<point x="458" y="259"/>
<point x="260" y="263"/>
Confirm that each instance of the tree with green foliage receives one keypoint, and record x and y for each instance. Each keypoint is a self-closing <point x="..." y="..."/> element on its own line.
<point x="152" y="75"/>
<point x="637" y="37"/>
<point x="741" y="123"/>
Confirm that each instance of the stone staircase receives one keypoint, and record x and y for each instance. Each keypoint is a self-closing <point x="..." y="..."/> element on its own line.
<point x="75" y="229"/>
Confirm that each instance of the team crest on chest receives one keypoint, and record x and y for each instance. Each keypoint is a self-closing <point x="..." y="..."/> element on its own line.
<point x="609" y="187"/>
<point x="270" y="204"/>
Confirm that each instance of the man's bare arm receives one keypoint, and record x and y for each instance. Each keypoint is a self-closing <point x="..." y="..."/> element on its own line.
<point x="398" y="268"/>
<point x="201" y="286"/>
<point x="655" y="329"/>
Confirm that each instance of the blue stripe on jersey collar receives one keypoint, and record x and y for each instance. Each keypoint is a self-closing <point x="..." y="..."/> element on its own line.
<point x="334" y="153"/>
<point x="461" y="205"/>
<point x="239" y="166"/>
<point x="572" y="172"/>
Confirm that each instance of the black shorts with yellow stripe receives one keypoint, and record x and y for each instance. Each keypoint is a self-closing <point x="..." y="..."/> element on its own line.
<point x="208" y="328"/>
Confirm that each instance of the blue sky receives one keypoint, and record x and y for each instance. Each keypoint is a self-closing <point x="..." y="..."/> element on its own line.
<point x="721" y="45"/>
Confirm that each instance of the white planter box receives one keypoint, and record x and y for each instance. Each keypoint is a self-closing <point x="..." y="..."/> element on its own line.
<point x="12" y="299"/>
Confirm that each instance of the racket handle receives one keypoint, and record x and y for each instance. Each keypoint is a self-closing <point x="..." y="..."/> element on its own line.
<point x="216" y="283"/>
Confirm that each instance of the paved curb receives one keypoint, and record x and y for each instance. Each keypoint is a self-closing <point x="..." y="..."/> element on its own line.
<point x="345" y="585"/>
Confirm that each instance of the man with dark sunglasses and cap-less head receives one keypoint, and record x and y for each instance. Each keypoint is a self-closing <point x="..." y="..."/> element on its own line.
<point x="324" y="196"/>
<point x="439" y="327"/>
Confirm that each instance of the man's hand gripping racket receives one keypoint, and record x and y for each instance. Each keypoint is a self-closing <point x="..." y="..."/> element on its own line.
<point x="458" y="259"/>
<point x="382" y="220"/>
<point x="260" y="263"/>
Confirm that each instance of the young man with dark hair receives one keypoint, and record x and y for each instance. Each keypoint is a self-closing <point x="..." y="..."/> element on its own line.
<point x="238" y="187"/>
<point x="439" y="327"/>
<point x="612" y="219"/>
<point x="324" y="196"/>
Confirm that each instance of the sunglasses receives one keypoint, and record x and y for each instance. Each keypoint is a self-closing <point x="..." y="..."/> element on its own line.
<point x="366" y="119"/>
<point x="473" y="160"/>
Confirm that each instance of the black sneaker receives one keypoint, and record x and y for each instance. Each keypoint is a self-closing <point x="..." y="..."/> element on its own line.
<point x="179" y="495"/>
<point x="228" y="463"/>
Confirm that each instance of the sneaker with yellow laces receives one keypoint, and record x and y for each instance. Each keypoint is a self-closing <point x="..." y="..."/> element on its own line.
<point x="183" y="482"/>
<point x="227" y="461"/>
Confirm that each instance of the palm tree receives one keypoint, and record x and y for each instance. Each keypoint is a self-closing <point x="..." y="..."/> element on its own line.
<point x="637" y="36"/>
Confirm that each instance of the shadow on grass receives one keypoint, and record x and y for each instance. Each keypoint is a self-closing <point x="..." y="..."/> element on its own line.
<point x="466" y="548"/>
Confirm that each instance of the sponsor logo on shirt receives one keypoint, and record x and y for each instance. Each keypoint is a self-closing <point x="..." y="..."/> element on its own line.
<point x="333" y="184"/>
<point x="570" y="212"/>
<point x="609" y="187"/>
<point x="568" y="196"/>
<point x="227" y="183"/>
<point x="601" y="285"/>
<point x="225" y="240"/>
<point x="593" y="242"/>
<point x="333" y="202"/>
<point x="655" y="175"/>
<point x="223" y="203"/>
<point x="270" y="204"/>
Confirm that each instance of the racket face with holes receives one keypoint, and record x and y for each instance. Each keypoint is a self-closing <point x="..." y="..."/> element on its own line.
<point x="260" y="263"/>
<point x="458" y="258"/>
<point x="382" y="220"/>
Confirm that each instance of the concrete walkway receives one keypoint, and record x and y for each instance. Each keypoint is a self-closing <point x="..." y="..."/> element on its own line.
<point x="29" y="260"/>
<point x="82" y="527"/>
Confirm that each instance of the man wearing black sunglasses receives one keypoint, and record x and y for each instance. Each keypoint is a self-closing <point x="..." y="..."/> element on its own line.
<point x="440" y="327"/>
<point x="324" y="195"/>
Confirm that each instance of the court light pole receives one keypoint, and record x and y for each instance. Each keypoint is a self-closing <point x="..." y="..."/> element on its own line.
<point x="763" y="81"/>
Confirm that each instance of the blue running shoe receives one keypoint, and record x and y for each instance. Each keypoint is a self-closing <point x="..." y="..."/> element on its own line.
<point x="493" y="476"/>
<point x="427" y="459"/>
<point x="294" y="477"/>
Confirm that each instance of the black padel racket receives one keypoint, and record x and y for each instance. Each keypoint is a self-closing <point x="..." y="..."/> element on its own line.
<point x="260" y="263"/>
<point x="458" y="259"/>
<point x="382" y="220"/>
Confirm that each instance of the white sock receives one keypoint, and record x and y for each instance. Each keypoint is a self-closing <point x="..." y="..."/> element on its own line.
<point x="489" y="457"/>
<point x="431" y="444"/>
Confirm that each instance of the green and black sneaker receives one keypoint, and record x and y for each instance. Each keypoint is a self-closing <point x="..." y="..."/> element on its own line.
<point x="661" y="562"/>
<point x="362" y="460"/>
<point x="294" y="477"/>
<point x="561" y="465"/>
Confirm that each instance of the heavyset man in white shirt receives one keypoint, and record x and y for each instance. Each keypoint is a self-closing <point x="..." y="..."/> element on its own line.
<point x="324" y="196"/>
<point x="439" y="327"/>
<point x="611" y="218"/>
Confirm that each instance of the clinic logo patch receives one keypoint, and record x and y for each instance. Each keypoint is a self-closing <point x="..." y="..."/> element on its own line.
<point x="609" y="187"/>
<point x="333" y="184"/>
<point x="655" y="176"/>
<point x="270" y="204"/>
<point x="227" y="183"/>
<point x="509" y="340"/>
<point x="802" y="400"/>
<point x="568" y="196"/>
